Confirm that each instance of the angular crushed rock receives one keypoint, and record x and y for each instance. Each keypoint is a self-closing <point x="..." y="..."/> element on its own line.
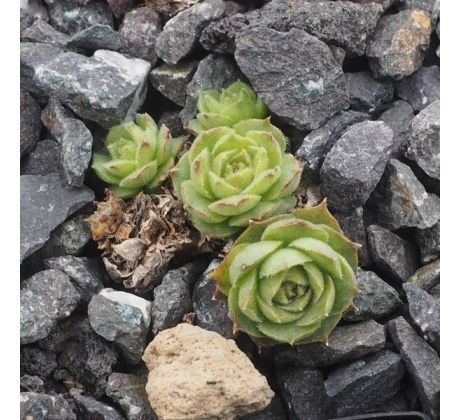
<point x="40" y="31"/>
<point x="89" y="408"/>
<point x="398" y="117"/>
<point x="96" y="37"/>
<point x="33" y="406"/>
<point x="30" y="122"/>
<point x="428" y="241"/>
<point x="427" y="276"/>
<point x="42" y="160"/>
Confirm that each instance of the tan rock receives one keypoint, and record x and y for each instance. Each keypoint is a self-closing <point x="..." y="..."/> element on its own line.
<point x="198" y="374"/>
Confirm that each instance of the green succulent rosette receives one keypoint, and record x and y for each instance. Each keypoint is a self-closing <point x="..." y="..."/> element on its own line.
<point x="290" y="278"/>
<point x="227" y="107"/>
<point x="139" y="156"/>
<point x="233" y="175"/>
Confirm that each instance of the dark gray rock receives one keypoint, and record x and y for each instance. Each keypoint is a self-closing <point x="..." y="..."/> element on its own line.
<point x="274" y="411"/>
<point x="128" y="391"/>
<point x="392" y="255"/>
<point x="213" y="72"/>
<point x="172" y="81"/>
<point x="34" y="9"/>
<point x="35" y="361"/>
<point x="69" y="17"/>
<point x="120" y="7"/>
<point x="352" y="225"/>
<point x="424" y="140"/>
<point x="72" y="78"/>
<point x="366" y="93"/>
<point x="338" y="53"/>
<point x="430" y="6"/>
<point x="30" y="122"/>
<point x="402" y="201"/>
<point x="85" y="274"/>
<point x="424" y="311"/>
<point x="90" y="409"/>
<point x="181" y="33"/>
<point x="398" y="117"/>
<point x="211" y="314"/>
<point x="348" y="342"/>
<point x="83" y="354"/>
<point x="172" y="120"/>
<point x="122" y="318"/>
<point x="32" y="55"/>
<point x="40" y="31"/>
<point x="421" y="362"/>
<point x="303" y="93"/>
<point x="359" y="387"/>
<point x="42" y="160"/>
<point x="96" y="37"/>
<point x="397" y="47"/>
<point x="138" y="33"/>
<point x="376" y="298"/>
<point x="32" y="384"/>
<point x="348" y="177"/>
<point x="46" y="201"/>
<point x="435" y="291"/>
<point x="43" y="406"/>
<point x="428" y="240"/>
<point x="46" y="297"/>
<point x="171" y="301"/>
<point x="304" y="394"/>
<point x="26" y="20"/>
<point x="421" y="88"/>
<point x="317" y="143"/>
<point x="427" y="276"/>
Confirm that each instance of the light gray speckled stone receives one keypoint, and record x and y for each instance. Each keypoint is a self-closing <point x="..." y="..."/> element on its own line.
<point x="40" y="31"/>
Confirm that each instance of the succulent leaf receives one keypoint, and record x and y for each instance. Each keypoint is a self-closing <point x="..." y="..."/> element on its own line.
<point x="139" y="156"/>
<point x="289" y="278"/>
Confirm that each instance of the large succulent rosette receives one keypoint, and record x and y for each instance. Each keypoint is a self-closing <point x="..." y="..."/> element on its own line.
<point x="290" y="278"/>
<point x="233" y="175"/>
<point x="139" y="156"/>
<point x="227" y="107"/>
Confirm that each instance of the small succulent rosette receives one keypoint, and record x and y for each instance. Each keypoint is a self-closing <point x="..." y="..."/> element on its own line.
<point x="233" y="175"/>
<point x="226" y="108"/>
<point x="139" y="156"/>
<point x="290" y="278"/>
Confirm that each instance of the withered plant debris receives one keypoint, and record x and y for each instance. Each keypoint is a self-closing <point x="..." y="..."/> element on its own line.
<point x="170" y="7"/>
<point x="141" y="239"/>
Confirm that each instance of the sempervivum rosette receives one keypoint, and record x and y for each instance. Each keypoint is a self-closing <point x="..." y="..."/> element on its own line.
<point x="226" y="108"/>
<point x="139" y="156"/>
<point x="290" y="278"/>
<point x="233" y="175"/>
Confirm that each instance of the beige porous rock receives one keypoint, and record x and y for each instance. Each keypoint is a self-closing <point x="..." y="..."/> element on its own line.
<point x="198" y="374"/>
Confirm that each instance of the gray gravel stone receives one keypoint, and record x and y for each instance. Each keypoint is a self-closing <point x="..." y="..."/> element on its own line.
<point x="376" y="298"/>
<point x="348" y="342"/>
<point x="128" y="391"/>
<point x="181" y="33"/>
<point x="392" y="255"/>
<point x="421" y="88"/>
<point x="430" y="6"/>
<point x="211" y="314"/>
<point x="43" y="406"/>
<point x="427" y="276"/>
<point x="96" y="37"/>
<point x="85" y="274"/>
<point x="424" y="140"/>
<point x="435" y="291"/>
<point x="122" y="318"/>
<point x="172" y="81"/>
<point x="46" y="297"/>
<point x="359" y="387"/>
<point x="120" y="7"/>
<point x="46" y="201"/>
<point x="398" y="117"/>
<point x="304" y="394"/>
<point x="139" y="31"/>
<point x="35" y="361"/>
<point x="421" y="362"/>
<point x="40" y="31"/>
<point x="338" y="53"/>
<point x="424" y="311"/>
<point x="34" y="9"/>
<point x="317" y="143"/>
<point x="366" y="93"/>
<point x="402" y="201"/>
<point x="352" y="225"/>
<point x="68" y="17"/>
<point x="42" y="160"/>
<point x="172" y="120"/>
<point x="213" y="72"/>
<point x="396" y="49"/>
<point x="106" y="88"/>
<point x="348" y="177"/>
<point x="32" y="384"/>
<point x="90" y="409"/>
<point x="274" y="411"/>
<point x="30" y="122"/>
<point x="303" y="93"/>
<point x="428" y="240"/>
<point x="171" y="301"/>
